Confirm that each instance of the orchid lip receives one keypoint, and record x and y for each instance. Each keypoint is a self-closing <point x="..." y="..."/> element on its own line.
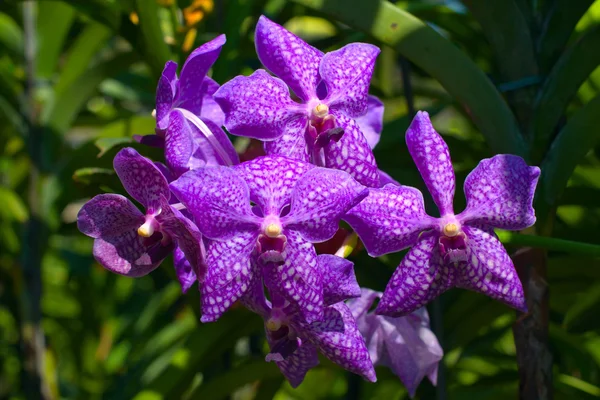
<point x="148" y="228"/>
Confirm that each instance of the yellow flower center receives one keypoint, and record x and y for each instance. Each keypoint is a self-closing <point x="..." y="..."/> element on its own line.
<point x="273" y="230"/>
<point x="451" y="230"/>
<point x="146" y="230"/>
<point x="273" y="324"/>
<point x="321" y="110"/>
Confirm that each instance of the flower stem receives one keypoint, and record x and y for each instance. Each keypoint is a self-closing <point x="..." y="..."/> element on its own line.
<point x="554" y="244"/>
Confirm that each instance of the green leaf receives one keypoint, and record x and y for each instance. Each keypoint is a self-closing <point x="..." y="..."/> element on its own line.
<point x="13" y="207"/>
<point x="11" y="36"/>
<point x="155" y="49"/>
<point x="569" y="72"/>
<point x="102" y="11"/>
<point x="92" y="175"/>
<point x="582" y="316"/>
<point x="579" y="136"/>
<point x="440" y="58"/>
<point x="53" y="24"/>
<point x="107" y="143"/>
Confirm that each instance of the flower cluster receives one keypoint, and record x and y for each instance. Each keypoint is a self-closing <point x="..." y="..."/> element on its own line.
<point x="247" y="231"/>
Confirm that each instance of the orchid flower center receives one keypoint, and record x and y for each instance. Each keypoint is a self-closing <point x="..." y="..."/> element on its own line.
<point x="273" y="324"/>
<point x="453" y="241"/>
<point x="271" y="240"/>
<point x="451" y="229"/>
<point x="148" y="228"/>
<point x="273" y="230"/>
<point x="320" y="111"/>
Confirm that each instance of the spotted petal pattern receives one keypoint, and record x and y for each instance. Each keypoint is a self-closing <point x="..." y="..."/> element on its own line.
<point x="339" y="282"/>
<point x="292" y="143"/>
<point x="229" y="274"/>
<point x="371" y="123"/>
<point x="257" y="106"/>
<point x="431" y="155"/>
<point x="490" y="270"/>
<point x="295" y="367"/>
<point x="108" y="215"/>
<point x="389" y="219"/>
<point x="178" y="143"/>
<point x="165" y="93"/>
<point x="210" y="109"/>
<point x="420" y="277"/>
<point x="319" y="200"/>
<point x="297" y="279"/>
<point x="271" y="180"/>
<point x="184" y="271"/>
<point x="347" y="73"/>
<point x="289" y="57"/>
<point x="141" y="179"/>
<point x="218" y="199"/>
<point x="352" y="152"/>
<point x="338" y="338"/>
<point x="499" y="192"/>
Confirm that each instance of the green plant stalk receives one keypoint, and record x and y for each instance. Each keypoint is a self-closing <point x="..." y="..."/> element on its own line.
<point x="549" y="243"/>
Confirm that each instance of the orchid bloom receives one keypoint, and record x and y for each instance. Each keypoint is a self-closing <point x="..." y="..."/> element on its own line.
<point x="405" y="344"/>
<point x="188" y="120"/>
<point x="333" y="93"/>
<point x="296" y="205"/>
<point x="453" y="250"/>
<point x="294" y="342"/>
<point x="132" y="243"/>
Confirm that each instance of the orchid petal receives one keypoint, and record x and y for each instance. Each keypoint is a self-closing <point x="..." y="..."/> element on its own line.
<point x="229" y="274"/>
<point x="339" y="281"/>
<point x="210" y="109"/>
<point x="292" y="143"/>
<point x="297" y="279"/>
<point x="165" y="92"/>
<point x="385" y="178"/>
<point x="194" y="71"/>
<point x="257" y="106"/>
<point x="389" y="219"/>
<point x="347" y="73"/>
<point x="178" y="143"/>
<point x="420" y="277"/>
<point x="108" y="215"/>
<point x="219" y="151"/>
<point x="255" y="299"/>
<point x="271" y="180"/>
<point x="352" y="152"/>
<point x="499" y="193"/>
<point x="141" y="179"/>
<point x="371" y="123"/>
<point x="295" y="367"/>
<point x="431" y="155"/>
<point x="150" y="140"/>
<point x="289" y="57"/>
<point x="490" y="270"/>
<point x="184" y="271"/>
<point x="319" y="200"/>
<point x="219" y="200"/>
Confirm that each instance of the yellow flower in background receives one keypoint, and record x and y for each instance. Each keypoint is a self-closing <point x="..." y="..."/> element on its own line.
<point x="192" y="15"/>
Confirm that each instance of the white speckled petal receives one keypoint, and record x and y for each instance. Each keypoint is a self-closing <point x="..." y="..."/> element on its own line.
<point x="108" y="215"/>
<point x="257" y="106"/>
<point x="165" y="92"/>
<point x="390" y="219"/>
<point x="420" y="277"/>
<point x="295" y="367"/>
<point x="319" y="200"/>
<point x="178" y="143"/>
<point x="210" y="109"/>
<point x="271" y="180"/>
<point x="229" y="274"/>
<point x="292" y="143"/>
<point x="339" y="281"/>
<point x="289" y="57"/>
<point x="432" y="157"/>
<point x="490" y="270"/>
<point x="347" y="73"/>
<point x="184" y="271"/>
<point x="298" y="278"/>
<point x="141" y="179"/>
<point x="338" y="338"/>
<point x="371" y="123"/>
<point x="352" y="152"/>
<point x="219" y="200"/>
<point x="255" y="299"/>
<point x="499" y="193"/>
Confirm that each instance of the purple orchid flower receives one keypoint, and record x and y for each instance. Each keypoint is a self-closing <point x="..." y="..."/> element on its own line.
<point x="294" y="342"/>
<point x="453" y="250"/>
<point x="132" y="243"/>
<point x="188" y="120"/>
<point x="333" y="93"/>
<point x="406" y="345"/>
<point x="297" y="204"/>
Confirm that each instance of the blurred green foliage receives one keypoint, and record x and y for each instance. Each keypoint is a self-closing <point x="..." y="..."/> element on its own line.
<point x="77" y="80"/>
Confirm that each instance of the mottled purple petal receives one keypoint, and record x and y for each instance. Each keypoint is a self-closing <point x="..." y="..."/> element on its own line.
<point x="289" y="57"/>
<point x="190" y="95"/>
<point x="499" y="192"/>
<point x="141" y="179"/>
<point x="490" y="270"/>
<point x="178" y="143"/>
<point x="319" y="200"/>
<point x="292" y="143"/>
<point x="165" y="92"/>
<point x="385" y="178"/>
<point x="271" y="180"/>
<point x="217" y="151"/>
<point x="420" y="277"/>
<point x="347" y="73"/>
<point x="431" y="155"/>
<point x="338" y="338"/>
<point x="257" y="106"/>
<point x="130" y="254"/>
<point x="352" y="152"/>
<point x="339" y="281"/>
<point x="184" y="271"/>
<point x="361" y="305"/>
<point x="219" y="200"/>
<point x="371" y="123"/>
<point x="108" y="215"/>
<point x="210" y="109"/>
<point x="389" y="219"/>
<point x="298" y="278"/>
<point x="229" y="274"/>
<point x="295" y="367"/>
<point x="254" y="299"/>
<point x="150" y="140"/>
